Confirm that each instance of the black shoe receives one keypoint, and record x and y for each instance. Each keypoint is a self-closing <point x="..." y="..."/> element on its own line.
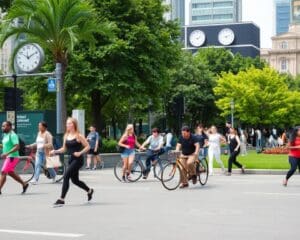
<point x="146" y="176"/>
<point x="124" y="179"/>
<point x="25" y="188"/>
<point x="59" y="203"/>
<point x="194" y="179"/>
<point x="90" y="194"/>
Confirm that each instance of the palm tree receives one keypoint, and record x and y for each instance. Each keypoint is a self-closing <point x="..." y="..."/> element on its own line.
<point x="56" y="25"/>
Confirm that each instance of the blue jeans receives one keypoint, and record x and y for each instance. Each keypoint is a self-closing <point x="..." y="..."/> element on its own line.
<point x="258" y="145"/>
<point x="39" y="163"/>
<point x="152" y="156"/>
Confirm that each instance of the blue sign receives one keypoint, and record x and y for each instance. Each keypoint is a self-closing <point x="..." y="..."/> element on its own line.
<point x="51" y="85"/>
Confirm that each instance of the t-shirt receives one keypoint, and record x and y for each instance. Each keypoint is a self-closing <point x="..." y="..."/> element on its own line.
<point x="155" y="142"/>
<point x="295" y="152"/>
<point x="169" y="137"/>
<point x="92" y="139"/>
<point x="201" y="139"/>
<point x="188" y="145"/>
<point x="9" y="141"/>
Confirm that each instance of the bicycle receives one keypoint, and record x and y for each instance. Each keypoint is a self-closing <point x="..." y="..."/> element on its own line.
<point x="26" y="168"/>
<point x="138" y="168"/>
<point x="171" y="176"/>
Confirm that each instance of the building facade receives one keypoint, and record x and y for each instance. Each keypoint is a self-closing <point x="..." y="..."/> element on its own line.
<point x="177" y="10"/>
<point x="215" y="11"/>
<point x="284" y="55"/>
<point x="283" y="13"/>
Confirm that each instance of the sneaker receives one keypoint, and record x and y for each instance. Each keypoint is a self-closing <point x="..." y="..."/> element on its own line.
<point x="25" y="188"/>
<point x="94" y="168"/>
<point x="145" y="176"/>
<point x="87" y="168"/>
<point x="59" y="203"/>
<point x="54" y="180"/>
<point x="285" y="183"/>
<point x="194" y="179"/>
<point x="123" y="179"/>
<point x="243" y="170"/>
<point x="90" y="194"/>
<point x="33" y="182"/>
<point x="228" y="174"/>
<point x="128" y="177"/>
<point x="184" y="185"/>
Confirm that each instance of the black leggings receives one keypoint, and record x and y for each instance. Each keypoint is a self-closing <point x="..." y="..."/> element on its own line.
<point x="294" y="162"/>
<point x="232" y="160"/>
<point x="73" y="173"/>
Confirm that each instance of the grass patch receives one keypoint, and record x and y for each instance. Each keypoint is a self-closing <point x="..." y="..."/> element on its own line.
<point x="260" y="161"/>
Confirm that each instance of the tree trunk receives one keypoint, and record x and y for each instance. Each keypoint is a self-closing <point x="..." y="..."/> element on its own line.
<point x="97" y="104"/>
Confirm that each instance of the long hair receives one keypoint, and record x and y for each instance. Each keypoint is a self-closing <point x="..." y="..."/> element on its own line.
<point x="126" y="132"/>
<point x="75" y="123"/>
<point x="293" y="135"/>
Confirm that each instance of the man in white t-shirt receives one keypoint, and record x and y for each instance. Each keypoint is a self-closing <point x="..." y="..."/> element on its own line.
<point x="156" y="143"/>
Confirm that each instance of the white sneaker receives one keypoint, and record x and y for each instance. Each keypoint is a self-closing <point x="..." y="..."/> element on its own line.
<point x="33" y="182"/>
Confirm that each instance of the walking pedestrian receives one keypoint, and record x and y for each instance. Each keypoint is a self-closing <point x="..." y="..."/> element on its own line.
<point x="203" y="141"/>
<point x="214" y="149"/>
<point x="234" y="150"/>
<point x="243" y="143"/>
<point x="128" y="142"/>
<point x="294" y="154"/>
<point x="93" y="154"/>
<point x="43" y="145"/>
<point x="76" y="146"/>
<point x="10" y="145"/>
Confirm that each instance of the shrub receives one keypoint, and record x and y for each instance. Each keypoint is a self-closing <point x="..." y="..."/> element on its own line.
<point x="109" y="146"/>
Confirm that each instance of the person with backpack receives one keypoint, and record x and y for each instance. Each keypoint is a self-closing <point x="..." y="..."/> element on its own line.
<point x="43" y="146"/>
<point x="127" y="144"/>
<point x="94" y="141"/>
<point x="234" y="150"/>
<point x="169" y="141"/>
<point x="10" y="145"/>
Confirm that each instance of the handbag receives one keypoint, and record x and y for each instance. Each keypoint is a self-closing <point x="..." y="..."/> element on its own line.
<point x="53" y="162"/>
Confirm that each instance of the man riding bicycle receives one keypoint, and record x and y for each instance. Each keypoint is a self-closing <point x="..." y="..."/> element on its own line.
<point x="189" y="145"/>
<point x="155" y="149"/>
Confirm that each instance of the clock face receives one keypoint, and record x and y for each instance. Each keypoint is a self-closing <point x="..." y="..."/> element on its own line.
<point x="226" y="36"/>
<point x="197" y="38"/>
<point x="29" y="58"/>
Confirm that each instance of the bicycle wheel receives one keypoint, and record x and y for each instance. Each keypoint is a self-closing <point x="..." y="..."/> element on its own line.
<point x="203" y="172"/>
<point x="159" y="167"/>
<point x="118" y="170"/>
<point x="25" y="168"/>
<point x="136" y="171"/>
<point x="171" y="176"/>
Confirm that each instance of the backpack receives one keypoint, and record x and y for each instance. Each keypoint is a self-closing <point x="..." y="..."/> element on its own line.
<point x="22" y="146"/>
<point x="173" y="142"/>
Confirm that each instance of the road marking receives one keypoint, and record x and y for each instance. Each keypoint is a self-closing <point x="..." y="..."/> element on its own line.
<point x="273" y="194"/>
<point x="48" y="234"/>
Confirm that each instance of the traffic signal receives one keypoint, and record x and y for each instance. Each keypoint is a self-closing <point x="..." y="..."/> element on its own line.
<point x="10" y="99"/>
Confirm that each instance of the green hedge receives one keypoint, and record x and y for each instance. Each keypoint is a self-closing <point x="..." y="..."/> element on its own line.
<point x="109" y="146"/>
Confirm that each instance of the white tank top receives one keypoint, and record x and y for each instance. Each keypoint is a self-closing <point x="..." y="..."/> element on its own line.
<point x="40" y="142"/>
<point x="214" y="140"/>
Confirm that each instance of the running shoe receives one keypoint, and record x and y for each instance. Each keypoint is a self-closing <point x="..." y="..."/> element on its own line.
<point x="90" y="194"/>
<point x="59" y="203"/>
<point x="25" y="188"/>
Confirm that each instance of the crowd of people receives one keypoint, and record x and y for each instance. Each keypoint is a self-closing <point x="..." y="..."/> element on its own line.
<point x="192" y="144"/>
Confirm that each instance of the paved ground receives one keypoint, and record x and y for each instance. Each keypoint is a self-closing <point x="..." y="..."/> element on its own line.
<point x="237" y="207"/>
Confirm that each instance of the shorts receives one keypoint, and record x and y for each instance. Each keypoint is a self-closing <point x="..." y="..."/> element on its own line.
<point x="9" y="164"/>
<point x="127" y="152"/>
<point x="92" y="152"/>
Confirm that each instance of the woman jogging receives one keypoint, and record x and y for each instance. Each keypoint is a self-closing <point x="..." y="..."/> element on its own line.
<point x="43" y="144"/>
<point x="128" y="142"/>
<point x="214" y="149"/>
<point x="294" y="154"/>
<point x="234" y="148"/>
<point x="76" y="146"/>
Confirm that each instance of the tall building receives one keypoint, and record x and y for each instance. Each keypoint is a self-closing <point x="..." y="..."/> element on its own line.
<point x="283" y="10"/>
<point x="284" y="55"/>
<point x="215" y="11"/>
<point x="177" y="10"/>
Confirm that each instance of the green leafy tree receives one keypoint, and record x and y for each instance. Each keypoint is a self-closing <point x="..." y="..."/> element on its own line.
<point x="261" y="97"/>
<point x="58" y="26"/>
<point x="195" y="82"/>
<point x="134" y="65"/>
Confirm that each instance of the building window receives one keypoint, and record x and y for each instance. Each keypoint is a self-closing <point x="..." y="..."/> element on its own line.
<point x="283" y="65"/>
<point x="223" y="4"/>
<point x="284" y="45"/>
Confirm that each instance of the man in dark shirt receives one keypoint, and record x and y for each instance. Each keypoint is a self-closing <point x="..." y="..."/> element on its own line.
<point x="189" y="145"/>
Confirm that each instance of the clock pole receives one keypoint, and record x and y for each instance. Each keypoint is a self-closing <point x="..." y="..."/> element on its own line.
<point x="58" y="73"/>
<point x="14" y="76"/>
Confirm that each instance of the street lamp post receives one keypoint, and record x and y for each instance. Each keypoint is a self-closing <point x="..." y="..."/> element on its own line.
<point x="232" y="112"/>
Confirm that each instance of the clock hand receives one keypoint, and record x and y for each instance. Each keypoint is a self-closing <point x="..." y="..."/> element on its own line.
<point x="31" y="55"/>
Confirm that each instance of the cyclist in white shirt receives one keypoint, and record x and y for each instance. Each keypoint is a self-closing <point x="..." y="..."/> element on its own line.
<point x="156" y="143"/>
